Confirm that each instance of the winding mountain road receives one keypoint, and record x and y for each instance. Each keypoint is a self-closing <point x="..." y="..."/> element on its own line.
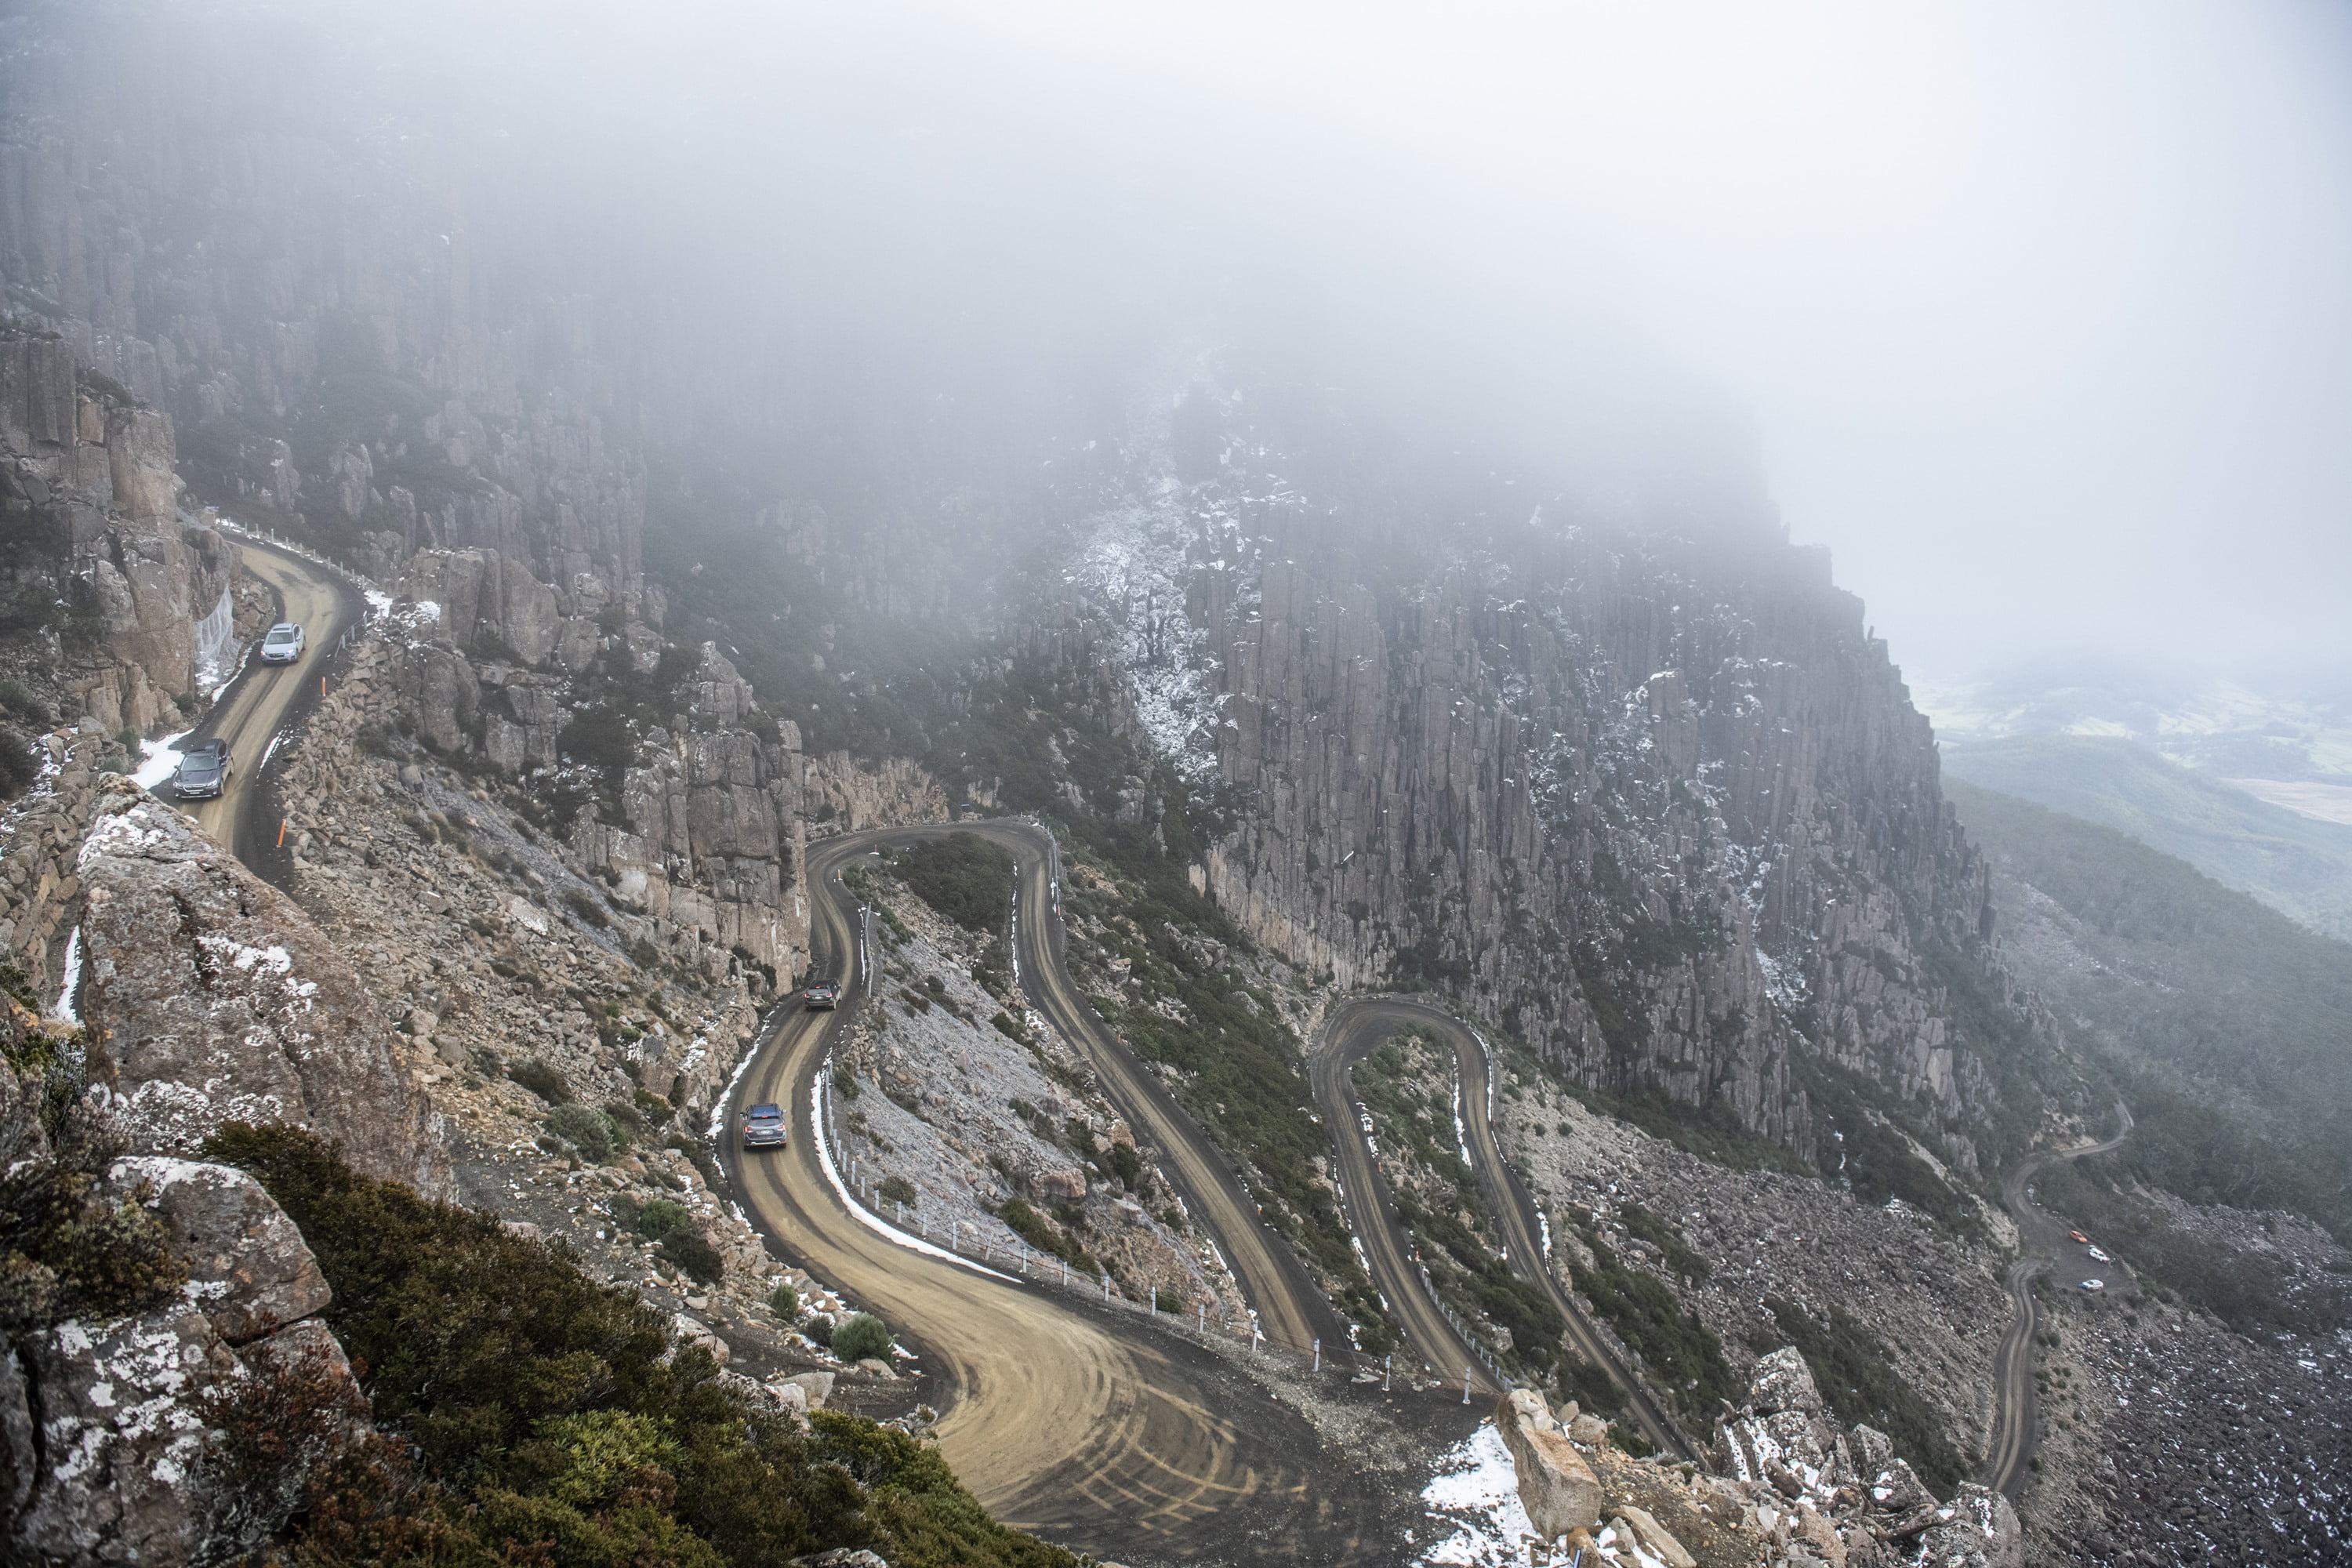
<point x="1095" y="1434"/>
<point x="1352" y="1031"/>
<point x="2041" y="1240"/>
<point x="266" y="699"/>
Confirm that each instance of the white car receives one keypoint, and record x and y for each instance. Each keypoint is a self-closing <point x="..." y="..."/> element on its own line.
<point x="283" y="645"/>
<point x="2098" y="1257"/>
<point x="2095" y="1284"/>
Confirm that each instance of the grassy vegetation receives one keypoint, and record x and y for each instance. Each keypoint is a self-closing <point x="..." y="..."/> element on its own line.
<point x="1858" y="1379"/>
<point x="1682" y="1355"/>
<point x="530" y="1415"/>
<point x="962" y="876"/>
<point x="1241" y="1070"/>
<point x="1465" y="1265"/>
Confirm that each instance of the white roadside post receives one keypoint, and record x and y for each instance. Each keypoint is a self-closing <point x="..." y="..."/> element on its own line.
<point x="1319" y="1356"/>
<point x="1466" y="1385"/>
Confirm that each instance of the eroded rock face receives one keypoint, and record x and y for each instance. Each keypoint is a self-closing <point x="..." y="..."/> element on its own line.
<point x="249" y="1270"/>
<point x="216" y="999"/>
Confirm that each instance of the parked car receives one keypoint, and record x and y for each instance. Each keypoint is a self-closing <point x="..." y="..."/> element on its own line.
<point x="821" y="997"/>
<point x="2078" y="1235"/>
<point x="204" y="771"/>
<point x="2098" y="1257"/>
<point x="282" y="644"/>
<point x="2095" y="1284"/>
<point x="764" y="1127"/>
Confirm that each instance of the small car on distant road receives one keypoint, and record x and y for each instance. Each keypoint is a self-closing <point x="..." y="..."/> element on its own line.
<point x="2095" y="1284"/>
<point x="282" y="644"/>
<point x="204" y="771"/>
<point x="764" y="1127"/>
<point x="2099" y="1257"/>
<point x="2078" y="1235"/>
<point x="825" y="994"/>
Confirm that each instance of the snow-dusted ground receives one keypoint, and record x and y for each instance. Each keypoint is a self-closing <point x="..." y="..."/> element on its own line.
<point x="1473" y="1508"/>
<point x="158" y="760"/>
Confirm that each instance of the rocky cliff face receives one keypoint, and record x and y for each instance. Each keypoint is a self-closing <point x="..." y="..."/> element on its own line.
<point x="211" y="997"/>
<point x="1651" y="796"/>
<point x="115" y="608"/>
<point x="295" y="288"/>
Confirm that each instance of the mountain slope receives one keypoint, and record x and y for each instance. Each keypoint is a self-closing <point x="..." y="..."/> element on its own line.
<point x="2233" y="1024"/>
<point x="2297" y="865"/>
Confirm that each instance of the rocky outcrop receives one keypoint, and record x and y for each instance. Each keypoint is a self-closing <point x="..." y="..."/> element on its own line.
<point x="249" y="1271"/>
<point x="144" y="1450"/>
<point x="482" y="596"/>
<point x="213" y="998"/>
<point x="1846" y="1495"/>
<point x="1558" y="1489"/>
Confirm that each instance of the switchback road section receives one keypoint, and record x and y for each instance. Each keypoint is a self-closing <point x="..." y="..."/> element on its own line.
<point x="1353" y="1030"/>
<point x="2041" y="1240"/>
<point x="265" y="701"/>
<point x="1097" y="1434"/>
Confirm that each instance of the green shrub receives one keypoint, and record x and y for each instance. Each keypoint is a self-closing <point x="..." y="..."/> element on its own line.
<point x="1683" y="1352"/>
<point x="896" y="1190"/>
<point x="590" y="1132"/>
<point x="556" y="1421"/>
<point x="962" y="876"/>
<point x="541" y="1079"/>
<point x="785" y="1302"/>
<point x="587" y="908"/>
<point x="860" y="1335"/>
<point x="662" y="1218"/>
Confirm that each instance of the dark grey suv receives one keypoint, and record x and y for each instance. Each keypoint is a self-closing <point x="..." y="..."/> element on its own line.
<point x="763" y="1127"/>
<point x="202" y="772"/>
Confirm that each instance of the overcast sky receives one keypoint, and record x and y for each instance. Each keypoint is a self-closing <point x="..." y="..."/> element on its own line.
<point x="2042" y="312"/>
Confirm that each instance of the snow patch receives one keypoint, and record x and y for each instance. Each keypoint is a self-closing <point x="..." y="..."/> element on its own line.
<point x="158" y="760"/>
<point x="65" y="1007"/>
<point x="1474" y="1501"/>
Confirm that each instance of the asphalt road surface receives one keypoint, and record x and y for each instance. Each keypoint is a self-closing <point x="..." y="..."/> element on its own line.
<point x="2040" y="1242"/>
<point x="1097" y="1434"/>
<point x="266" y="699"/>
<point x="1352" y="1031"/>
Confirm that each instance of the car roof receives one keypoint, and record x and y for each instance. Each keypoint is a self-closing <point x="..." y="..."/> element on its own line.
<point x="765" y="1110"/>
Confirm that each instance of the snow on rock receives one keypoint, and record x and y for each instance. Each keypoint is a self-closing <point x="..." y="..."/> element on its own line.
<point x="1473" y="1503"/>
<point x="1134" y="563"/>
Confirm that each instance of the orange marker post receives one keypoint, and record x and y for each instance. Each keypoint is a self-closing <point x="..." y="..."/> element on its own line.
<point x="281" y="833"/>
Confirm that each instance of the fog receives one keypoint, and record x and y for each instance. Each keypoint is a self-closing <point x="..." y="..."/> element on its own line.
<point x="2039" y="317"/>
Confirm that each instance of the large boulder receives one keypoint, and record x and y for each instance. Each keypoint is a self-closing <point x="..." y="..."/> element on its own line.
<point x="1783" y="1381"/>
<point x="213" y="998"/>
<point x="122" y="1437"/>
<point x="1558" y="1489"/>
<point x="249" y="1270"/>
